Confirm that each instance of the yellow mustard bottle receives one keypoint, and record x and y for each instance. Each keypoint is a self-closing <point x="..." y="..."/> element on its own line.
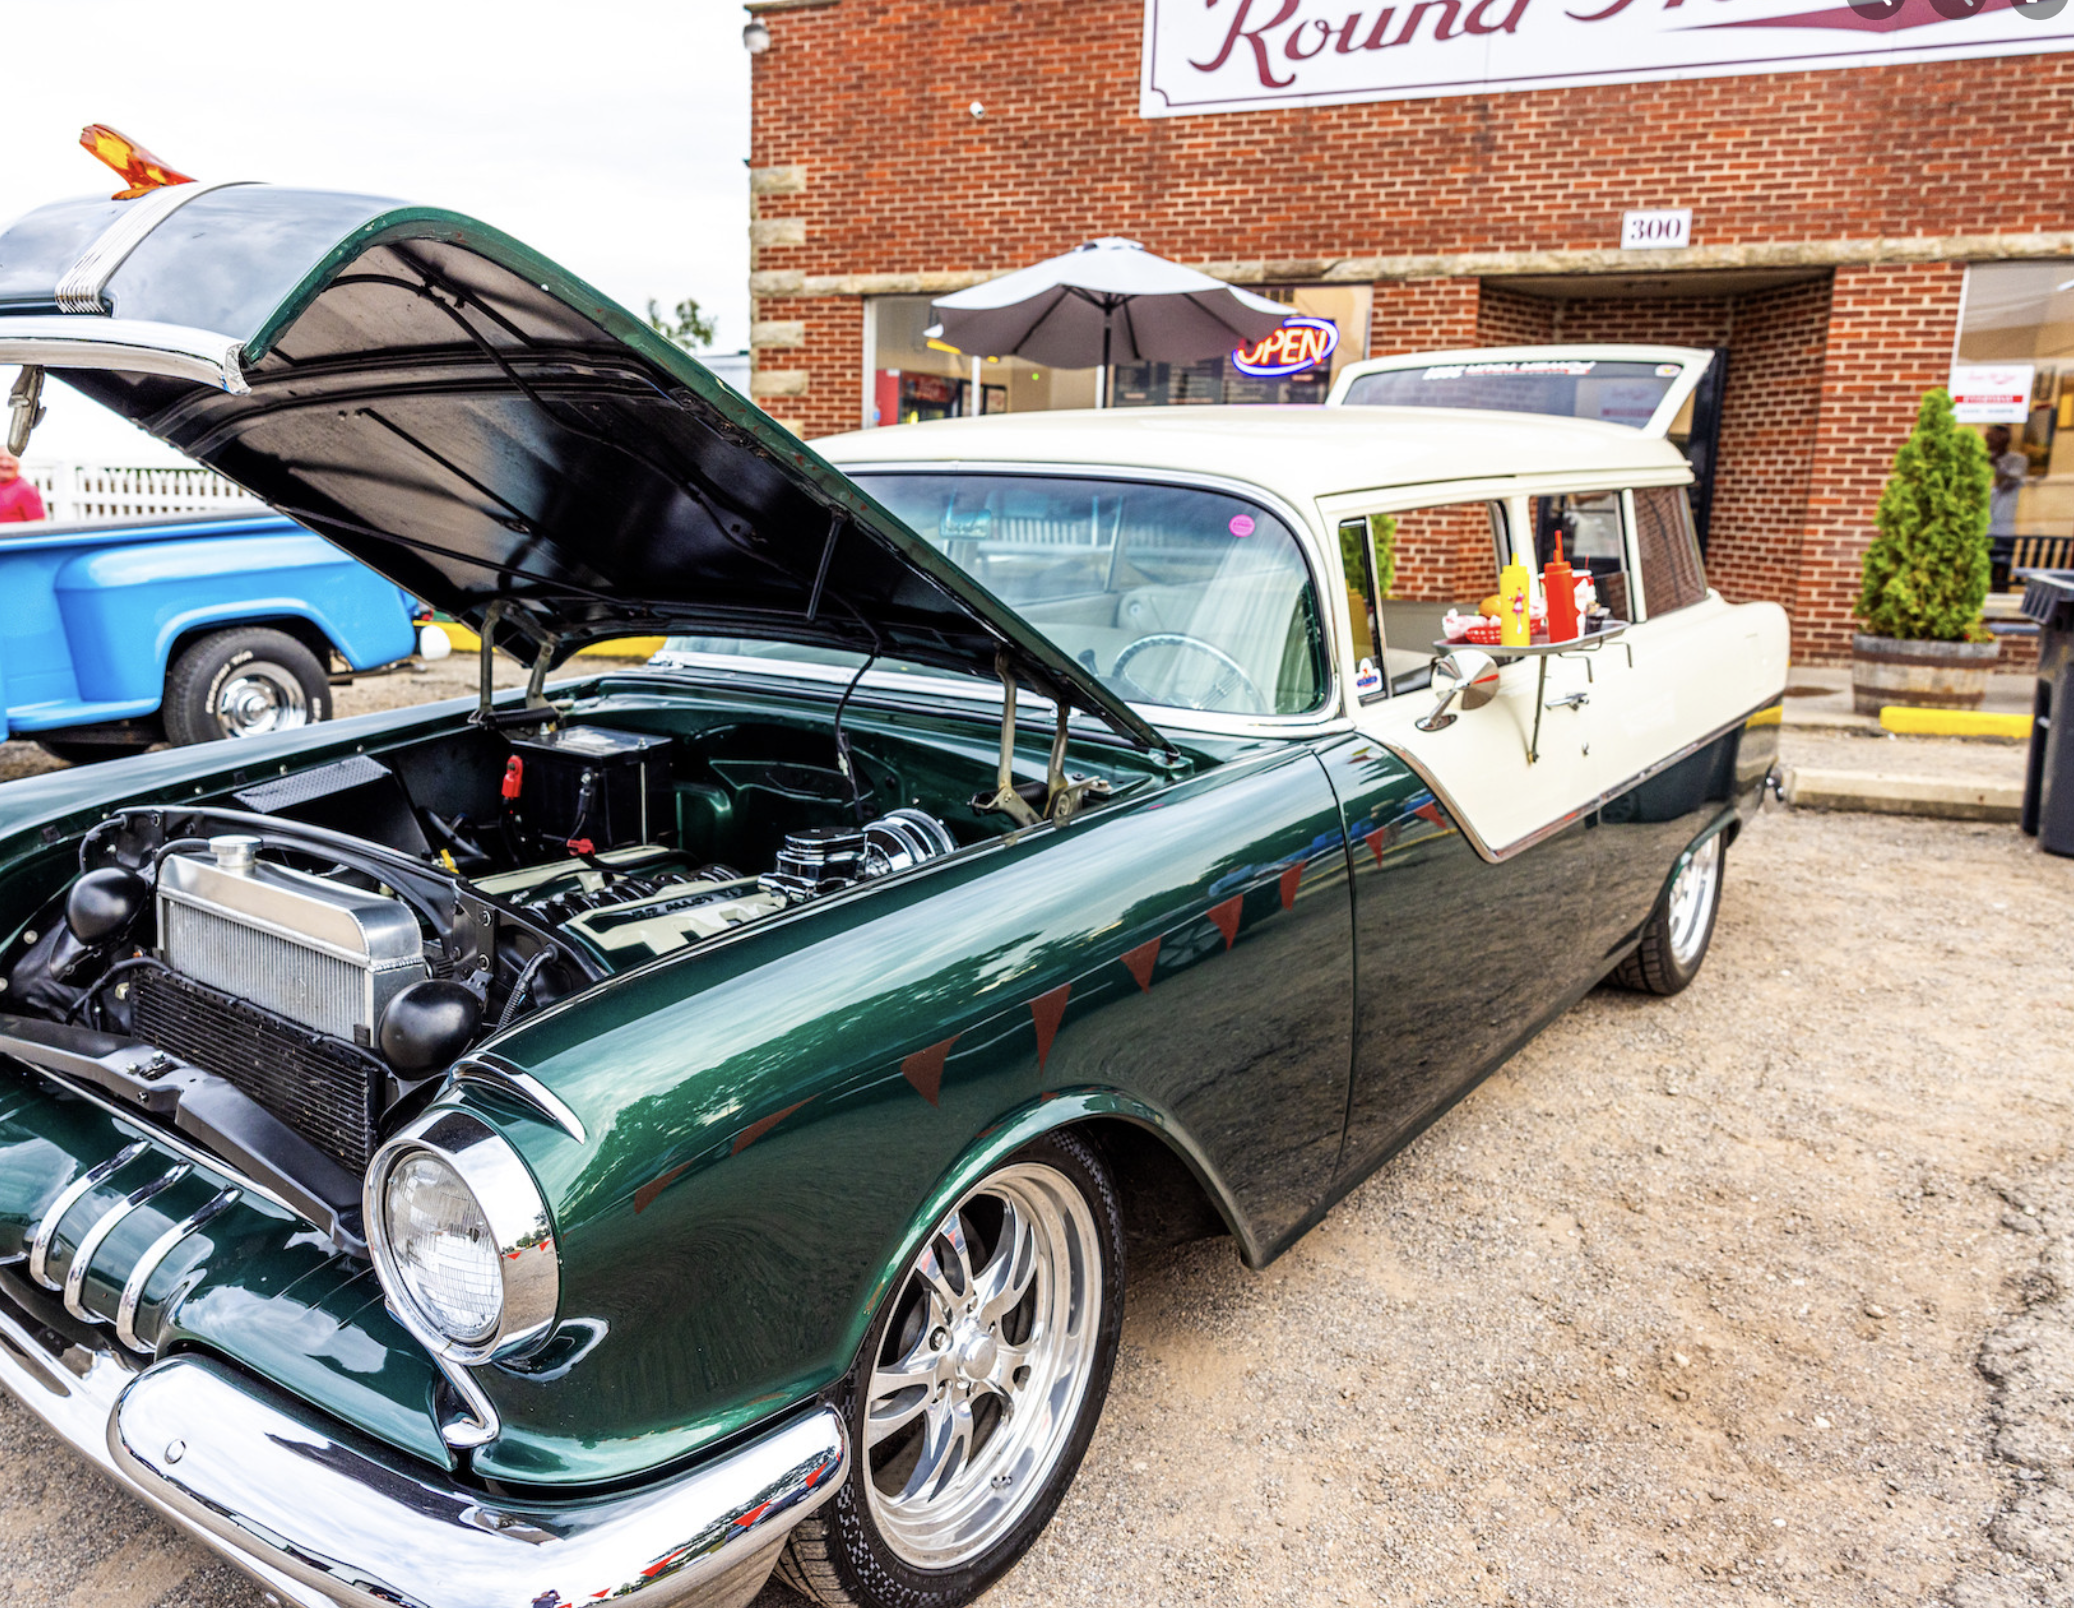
<point x="1515" y="586"/>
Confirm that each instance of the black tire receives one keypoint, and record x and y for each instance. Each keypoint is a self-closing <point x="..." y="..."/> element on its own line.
<point x="210" y="671"/>
<point x="80" y="753"/>
<point x="841" y="1556"/>
<point x="1674" y="944"/>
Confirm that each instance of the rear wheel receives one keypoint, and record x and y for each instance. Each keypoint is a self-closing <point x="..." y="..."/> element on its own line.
<point x="247" y="682"/>
<point x="1675" y="940"/>
<point x="977" y="1391"/>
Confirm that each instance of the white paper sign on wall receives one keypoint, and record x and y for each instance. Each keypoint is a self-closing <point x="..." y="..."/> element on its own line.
<point x="1656" y="229"/>
<point x="1992" y="393"/>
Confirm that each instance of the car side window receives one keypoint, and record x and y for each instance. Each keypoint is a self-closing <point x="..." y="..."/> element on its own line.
<point x="1589" y="525"/>
<point x="1673" y="576"/>
<point x="1423" y="562"/>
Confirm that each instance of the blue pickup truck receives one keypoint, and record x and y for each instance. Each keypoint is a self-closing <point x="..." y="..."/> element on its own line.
<point x="182" y="629"/>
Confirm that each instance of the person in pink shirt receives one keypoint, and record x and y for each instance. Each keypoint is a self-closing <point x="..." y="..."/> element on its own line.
<point x="19" y="501"/>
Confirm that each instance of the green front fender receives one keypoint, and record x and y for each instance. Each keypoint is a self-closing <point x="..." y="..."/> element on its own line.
<point x="772" y="1122"/>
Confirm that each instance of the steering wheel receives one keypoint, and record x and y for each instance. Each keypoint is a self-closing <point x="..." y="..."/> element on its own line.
<point x="1231" y="675"/>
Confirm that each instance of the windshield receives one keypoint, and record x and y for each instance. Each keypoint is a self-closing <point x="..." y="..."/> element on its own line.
<point x="1170" y="595"/>
<point x="1625" y="392"/>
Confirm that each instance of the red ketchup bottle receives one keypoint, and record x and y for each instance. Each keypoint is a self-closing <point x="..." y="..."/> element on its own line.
<point x="1559" y="587"/>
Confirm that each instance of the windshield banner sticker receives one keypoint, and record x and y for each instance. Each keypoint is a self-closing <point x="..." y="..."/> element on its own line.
<point x="1251" y="55"/>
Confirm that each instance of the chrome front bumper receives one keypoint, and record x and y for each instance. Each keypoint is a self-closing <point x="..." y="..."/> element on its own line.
<point x="323" y="1517"/>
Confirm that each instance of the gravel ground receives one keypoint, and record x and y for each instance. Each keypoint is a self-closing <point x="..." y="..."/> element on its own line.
<point x="1764" y="1294"/>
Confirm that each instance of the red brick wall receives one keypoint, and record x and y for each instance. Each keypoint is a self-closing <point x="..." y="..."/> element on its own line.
<point x="1655" y="320"/>
<point x="870" y="98"/>
<point x="873" y="95"/>
<point x="1414" y="314"/>
<point x="1889" y="340"/>
<point x="1506" y="318"/>
<point x="1445" y="555"/>
<point x="1769" y="413"/>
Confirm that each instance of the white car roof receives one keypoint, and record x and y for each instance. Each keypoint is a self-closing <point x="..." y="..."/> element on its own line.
<point x="1302" y="453"/>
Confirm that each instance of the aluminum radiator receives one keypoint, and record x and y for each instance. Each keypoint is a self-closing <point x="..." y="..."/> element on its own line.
<point x="321" y="953"/>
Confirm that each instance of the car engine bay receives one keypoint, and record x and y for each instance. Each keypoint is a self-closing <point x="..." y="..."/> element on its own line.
<point x="285" y="972"/>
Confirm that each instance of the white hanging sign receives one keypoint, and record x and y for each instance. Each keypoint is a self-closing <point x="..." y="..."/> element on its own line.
<point x="1992" y="393"/>
<point x="1254" y="55"/>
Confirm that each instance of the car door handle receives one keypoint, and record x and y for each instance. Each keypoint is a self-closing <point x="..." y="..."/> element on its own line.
<point x="1569" y="700"/>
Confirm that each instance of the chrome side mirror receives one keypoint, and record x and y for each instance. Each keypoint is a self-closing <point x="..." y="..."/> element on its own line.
<point x="1464" y="676"/>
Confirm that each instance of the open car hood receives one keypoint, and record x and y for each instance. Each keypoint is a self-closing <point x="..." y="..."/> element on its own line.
<point x="483" y="428"/>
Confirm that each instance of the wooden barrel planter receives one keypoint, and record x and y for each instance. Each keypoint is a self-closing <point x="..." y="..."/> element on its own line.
<point x="1924" y="675"/>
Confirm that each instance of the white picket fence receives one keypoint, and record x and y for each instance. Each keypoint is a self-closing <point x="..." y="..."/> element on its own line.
<point x="97" y="492"/>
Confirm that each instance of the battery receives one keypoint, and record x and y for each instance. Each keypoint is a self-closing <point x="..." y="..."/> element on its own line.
<point x="629" y="775"/>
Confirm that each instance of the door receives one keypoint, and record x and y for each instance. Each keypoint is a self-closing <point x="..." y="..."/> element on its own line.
<point x="1472" y="865"/>
<point x="1689" y="671"/>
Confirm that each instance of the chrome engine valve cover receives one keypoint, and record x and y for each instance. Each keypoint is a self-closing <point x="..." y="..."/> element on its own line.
<point x="318" y="952"/>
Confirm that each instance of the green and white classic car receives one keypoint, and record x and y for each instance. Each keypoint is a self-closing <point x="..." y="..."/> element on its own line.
<point x="617" y="1138"/>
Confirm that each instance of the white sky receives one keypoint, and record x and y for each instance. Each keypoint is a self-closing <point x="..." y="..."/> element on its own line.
<point x="608" y="134"/>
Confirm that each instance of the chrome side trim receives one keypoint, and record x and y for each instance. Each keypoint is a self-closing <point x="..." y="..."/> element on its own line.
<point x="97" y="1236"/>
<point x="1542" y="833"/>
<point x="68" y="1197"/>
<point x="80" y="287"/>
<point x="496" y="1075"/>
<point x="137" y="346"/>
<point x="281" y="1490"/>
<point x="150" y="1261"/>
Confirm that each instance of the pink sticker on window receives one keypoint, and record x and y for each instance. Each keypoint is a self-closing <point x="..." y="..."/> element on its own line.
<point x="1242" y="525"/>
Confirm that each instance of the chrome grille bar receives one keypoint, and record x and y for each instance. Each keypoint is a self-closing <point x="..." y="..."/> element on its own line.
<point x="97" y="1236"/>
<point x="68" y="1197"/>
<point x="148" y="1264"/>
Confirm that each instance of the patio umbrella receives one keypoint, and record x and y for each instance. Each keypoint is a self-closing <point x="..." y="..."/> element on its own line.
<point x="1109" y="301"/>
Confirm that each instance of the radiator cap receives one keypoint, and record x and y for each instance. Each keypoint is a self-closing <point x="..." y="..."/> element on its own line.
<point x="235" y="854"/>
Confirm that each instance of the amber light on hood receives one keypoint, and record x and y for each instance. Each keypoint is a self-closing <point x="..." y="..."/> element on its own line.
<point x="143" y="171"/>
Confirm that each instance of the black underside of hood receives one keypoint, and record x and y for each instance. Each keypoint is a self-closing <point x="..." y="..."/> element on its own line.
<point x="480" y="427"/>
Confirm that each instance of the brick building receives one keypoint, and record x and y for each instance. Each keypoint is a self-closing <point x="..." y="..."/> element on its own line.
<point x="1845" y="222"/>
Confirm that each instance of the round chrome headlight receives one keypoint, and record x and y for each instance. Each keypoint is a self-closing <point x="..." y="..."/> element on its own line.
<point x="461" y="1239"/>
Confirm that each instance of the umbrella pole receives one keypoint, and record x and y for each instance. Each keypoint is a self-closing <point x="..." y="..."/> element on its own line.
<point x="1102" y="399"/>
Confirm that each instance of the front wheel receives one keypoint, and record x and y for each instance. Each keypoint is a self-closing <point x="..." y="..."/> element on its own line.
<point x="246" y="682"/>
<point x="1675" y="940"/>
<point x="977" y="1390"/>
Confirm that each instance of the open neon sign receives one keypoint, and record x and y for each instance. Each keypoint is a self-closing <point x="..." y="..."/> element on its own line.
<point x="1301" y="343"/>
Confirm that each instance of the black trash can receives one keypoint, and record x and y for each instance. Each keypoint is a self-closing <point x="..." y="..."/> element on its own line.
<point x="2049" y="780"/>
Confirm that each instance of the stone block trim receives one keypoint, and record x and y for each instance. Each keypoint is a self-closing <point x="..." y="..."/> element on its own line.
<point x="787" y="180"/>
<point x="775" y="333"/>
<point x="779" y="382"/>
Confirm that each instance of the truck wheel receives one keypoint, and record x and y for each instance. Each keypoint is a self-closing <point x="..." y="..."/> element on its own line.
<point x="977" y="1391"/>
<point x="245" y="682"/>
<point x="1681" y="927"/>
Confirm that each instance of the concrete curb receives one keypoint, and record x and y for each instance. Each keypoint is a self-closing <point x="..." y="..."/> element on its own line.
<point x="1875" y="793"/>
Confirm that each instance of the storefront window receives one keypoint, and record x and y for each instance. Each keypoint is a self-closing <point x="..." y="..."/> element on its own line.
<point x="2013" y="380"/>
<point x="1220" y="379"/>
<point x="910" y="378"/>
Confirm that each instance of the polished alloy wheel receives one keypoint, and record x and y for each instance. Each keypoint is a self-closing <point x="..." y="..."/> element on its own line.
<point x="978" y="1382"/>
<point x="1691" y="905"/>
<point x="260" y="697"/>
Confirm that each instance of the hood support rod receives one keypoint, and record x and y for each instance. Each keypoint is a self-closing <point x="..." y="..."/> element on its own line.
<point x="1063" y="794"/>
